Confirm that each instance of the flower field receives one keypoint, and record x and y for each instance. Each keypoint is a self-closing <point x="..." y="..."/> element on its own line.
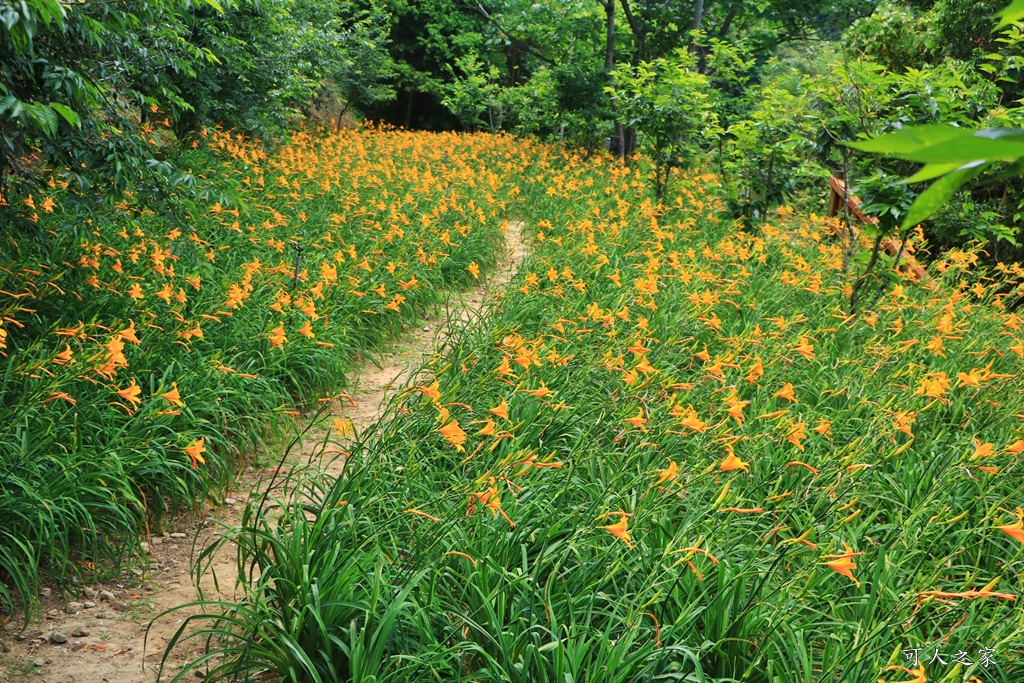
<point x="666" y="454"/>
<point x="143" y="355"/>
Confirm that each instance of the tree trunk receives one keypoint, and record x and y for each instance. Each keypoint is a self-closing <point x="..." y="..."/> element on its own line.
<point x="728" y="21"/>
<point x="698" y="15"/>
<point x="629" y="143"/>
<point x="408" y="111"/>
<point x="639" y="32"/>
<point x="609" y="41"/>
<point x="619" y="143"/>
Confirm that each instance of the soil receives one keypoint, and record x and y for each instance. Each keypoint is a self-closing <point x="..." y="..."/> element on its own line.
<point x="117" y="632"/>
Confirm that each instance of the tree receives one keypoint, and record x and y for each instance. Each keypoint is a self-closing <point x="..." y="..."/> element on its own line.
<point x="76" y="76"/>
<point x="669" y="102"/>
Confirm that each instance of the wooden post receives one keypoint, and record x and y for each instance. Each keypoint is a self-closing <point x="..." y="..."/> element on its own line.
<point x="837" y="190"/>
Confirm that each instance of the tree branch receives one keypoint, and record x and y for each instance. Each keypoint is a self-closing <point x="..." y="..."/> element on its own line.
<point x="522" y="43"/>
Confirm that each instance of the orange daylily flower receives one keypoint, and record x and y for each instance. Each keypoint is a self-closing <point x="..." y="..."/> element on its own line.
<point x="1015" y="530"/>
<point x="786" y="392"/>
<point x="691" y="421"/>
<point x="618" y="530"/>
<point x="982" y="450"/>
<point x="1017" y="447"/>
<point x="902" y="421"/>
<point x="756" y="371"/>
<point x="307" y="330"/>
<point x="131" y="393"/>
<point x="797" y="435"/>
<point x="277" y="336"/>
<point x="543" y="392"/>
<point x="732" y="462"/>
<point x="491" y="501"/>
<point x="643" y="366"/>
<point x="433" y="392"/>
<point x="454" y="435"/>
<point x="128" y="333"/>
<point x="918" y="673"/>
<point x="173" y="397"/>
<point x="474" y="270"/>
<point x="638" y="420"/>
<point x="115" y="347"/>
<point x="933" y="385"/>
<point x="824" y="426"/>
<point x="501" y="410"/>
<point x="670" y="473"/>
<point x="844" y="564"/>
<point x="735" y="408"/>
<point x="64" y="357"/>
<point x="804" y="348"/>
<point x="165" y="293"/>
<point x="343" y="427"/>
<point x="195" y="451"/>
<point x="974" y="378"/>
<point x="488" y="429"/>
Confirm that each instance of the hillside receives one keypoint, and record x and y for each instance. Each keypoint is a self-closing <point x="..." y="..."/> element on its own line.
<point x="667" y="453"/>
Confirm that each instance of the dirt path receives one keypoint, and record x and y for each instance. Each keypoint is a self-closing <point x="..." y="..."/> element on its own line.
<point x="98" y="636"/>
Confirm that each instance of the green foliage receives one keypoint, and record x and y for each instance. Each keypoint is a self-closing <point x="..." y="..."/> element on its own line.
<point x="227" y="314"/>
<point x="275" y="57"/>
<point x="1012" y="13"/>
<point x="254" y="84"/>
<point x="75" y="77"/>
<point x="86" y="83"/>
<point x="953" y="155"/>
<point x="894" y="35"/>
<point x="670" y="103"/>
<point x="886" y="198"/>
<point x="764" y="156"/>
<point x="649" y="324"/>
<point x="475" y="97"/>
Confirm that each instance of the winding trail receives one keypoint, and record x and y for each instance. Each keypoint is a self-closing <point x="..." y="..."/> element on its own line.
<point x="104" y="628"/>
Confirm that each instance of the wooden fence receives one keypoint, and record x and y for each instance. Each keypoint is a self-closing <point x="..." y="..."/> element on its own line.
<point x="891" y="245"/>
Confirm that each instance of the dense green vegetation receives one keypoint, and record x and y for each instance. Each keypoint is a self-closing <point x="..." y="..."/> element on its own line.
<point x="706" y="435"/>
<point x="769" y="93"/>
<point x="666" y="454"/>
<point x="141" y="359"/>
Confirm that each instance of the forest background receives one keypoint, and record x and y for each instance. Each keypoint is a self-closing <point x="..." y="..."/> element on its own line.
<point x="764" y="93"/>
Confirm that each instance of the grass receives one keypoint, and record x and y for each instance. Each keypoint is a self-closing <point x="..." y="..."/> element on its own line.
<point x="666" y="454"/>
<point x="146" y="357"/>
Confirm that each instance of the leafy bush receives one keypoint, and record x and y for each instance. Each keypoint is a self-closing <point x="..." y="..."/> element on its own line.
<point x="670" y="103"/>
